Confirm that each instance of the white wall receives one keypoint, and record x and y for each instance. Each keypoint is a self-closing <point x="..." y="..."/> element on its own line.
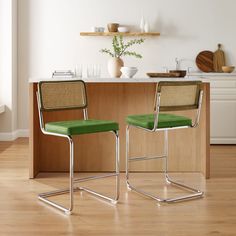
<point x="49" y="35"/>
<point x="8" y="65"/>
<point x="5" y="64"/>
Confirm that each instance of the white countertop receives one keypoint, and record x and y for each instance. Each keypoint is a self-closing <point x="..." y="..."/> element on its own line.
<point x="115" y="80"/>
<point x="205" y="77"/>
<point x="203" y="74"/>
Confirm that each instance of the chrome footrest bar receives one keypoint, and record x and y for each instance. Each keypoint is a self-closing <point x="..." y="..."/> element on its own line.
<point x="79" y="180"/>
<point x="197" y="194"/>
<point x="145" y="158"/>
<point x="183" y="186"/>
<point x="55" y="193"/>
<point x="56" y="205"/>
<point x="191" y="196"/>
<point x="99" y="195"/>
<point x="43" y="197"/>
<point x="145" y="193"/>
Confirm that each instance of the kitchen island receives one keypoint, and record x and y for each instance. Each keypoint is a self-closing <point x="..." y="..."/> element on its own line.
<point x="114" y="99"/>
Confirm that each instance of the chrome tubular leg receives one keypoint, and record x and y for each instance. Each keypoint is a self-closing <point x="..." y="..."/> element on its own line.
<point x="43" y="196"/>
<point x="196" y="193"/>
<point x="129" y="186"/>
<point x="127" y="157"/>
<point x="166" y="147"/>
<point x="116" y="174"/>
<point x="71" y="174"/>
<point x="117" y="166"/>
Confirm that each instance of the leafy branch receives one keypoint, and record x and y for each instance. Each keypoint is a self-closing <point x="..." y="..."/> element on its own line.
<point x="134" y="54"/>
<point x="108" y="51"/>
<point x="120" y="48"/>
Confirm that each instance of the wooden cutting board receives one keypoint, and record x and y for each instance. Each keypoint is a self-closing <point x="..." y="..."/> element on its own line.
<point x="163" y="75"/>
<point x="204" y="61"/>
<point x="219" y="59"/>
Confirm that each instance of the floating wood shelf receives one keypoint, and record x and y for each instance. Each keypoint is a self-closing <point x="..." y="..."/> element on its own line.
<point x="118" y="33"/>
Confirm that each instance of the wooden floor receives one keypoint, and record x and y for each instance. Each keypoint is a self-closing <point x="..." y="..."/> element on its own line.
<point x="22" y="214"/>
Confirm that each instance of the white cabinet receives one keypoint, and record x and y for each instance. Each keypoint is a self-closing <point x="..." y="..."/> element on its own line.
<point x="223" y="107"/>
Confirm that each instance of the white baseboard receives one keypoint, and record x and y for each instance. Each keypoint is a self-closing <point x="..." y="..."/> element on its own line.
<point x="223" y="140"/>
<point x="20" y="133"/>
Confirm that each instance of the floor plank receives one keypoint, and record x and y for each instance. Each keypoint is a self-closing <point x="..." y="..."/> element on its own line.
<point x="22" y="214"/>
<point x="223" y="161"/>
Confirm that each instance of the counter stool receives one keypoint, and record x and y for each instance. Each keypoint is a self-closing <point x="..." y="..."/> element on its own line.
<point x="170" y="96"/>
<point x="64" y="95"/>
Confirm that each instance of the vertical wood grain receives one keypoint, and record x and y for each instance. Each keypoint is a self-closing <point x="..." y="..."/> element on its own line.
<point x="34" y="151"/>
<point x="188" y="148"/>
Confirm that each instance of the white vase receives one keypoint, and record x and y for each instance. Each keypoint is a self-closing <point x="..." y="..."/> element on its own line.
<point x="142" y="23"/>
<point x="114" y="65"/>
<point x="146" y="27"/>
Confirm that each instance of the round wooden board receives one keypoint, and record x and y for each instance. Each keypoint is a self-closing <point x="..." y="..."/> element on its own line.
<point x="204" y="61"/>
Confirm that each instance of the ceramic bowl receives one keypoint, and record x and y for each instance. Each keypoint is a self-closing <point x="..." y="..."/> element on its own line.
<point x="123" y="29"/>
<point x="228" y="69"/>
<point x="112" y="27"/>
<point x="128" y="72"/>
<point x="101" y="29"/>
<point x="95" y="29"/>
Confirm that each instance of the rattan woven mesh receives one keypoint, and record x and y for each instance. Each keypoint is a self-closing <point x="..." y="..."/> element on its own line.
<point x="179" y="95"/>
<point x="61" y="95"/>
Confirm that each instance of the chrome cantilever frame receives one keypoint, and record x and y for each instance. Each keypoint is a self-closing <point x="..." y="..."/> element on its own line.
<point x="44" y="196"/>
<point x="195" y="192"/>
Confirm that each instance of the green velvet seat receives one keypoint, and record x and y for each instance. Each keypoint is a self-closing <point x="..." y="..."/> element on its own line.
<point x="76" y="127"/>
<point x="164" y="121"/>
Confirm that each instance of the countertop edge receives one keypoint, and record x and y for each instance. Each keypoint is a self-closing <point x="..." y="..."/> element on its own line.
<point x="119" y="80"/>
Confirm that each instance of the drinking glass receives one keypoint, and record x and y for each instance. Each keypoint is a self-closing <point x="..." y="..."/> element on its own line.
<point x="79" y="71"/>
<point x="93" y="71"/>
<point x="97" y="71"/>
<point x="90" y="71"/>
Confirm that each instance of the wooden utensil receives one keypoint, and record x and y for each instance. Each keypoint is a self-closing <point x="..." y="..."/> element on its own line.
<point x="112" y="27"/>
<point x="204" y="61"/>
<point x="181" y="72"/>
<point x="219" y="59"/>
<point x="228" y="69"/>
<point x="163" y="75"/>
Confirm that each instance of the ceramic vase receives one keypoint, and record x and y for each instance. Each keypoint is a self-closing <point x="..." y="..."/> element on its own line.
<point x="142" y="23"/>
<point x="146" y="27"/>
<point x="114" y="65"/>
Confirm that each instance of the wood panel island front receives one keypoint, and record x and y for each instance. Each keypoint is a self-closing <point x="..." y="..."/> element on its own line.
<point x="114" y="99"/>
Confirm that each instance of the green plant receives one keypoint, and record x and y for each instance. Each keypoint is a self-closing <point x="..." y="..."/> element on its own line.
<point x="120" y="48"/>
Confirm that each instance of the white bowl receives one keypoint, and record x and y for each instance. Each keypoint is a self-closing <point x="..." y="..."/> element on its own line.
<point x="101" y="29"/>
<point x="123" y="29"/>
<point x="97" y="29"/>
<point x="128" y="72"/>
